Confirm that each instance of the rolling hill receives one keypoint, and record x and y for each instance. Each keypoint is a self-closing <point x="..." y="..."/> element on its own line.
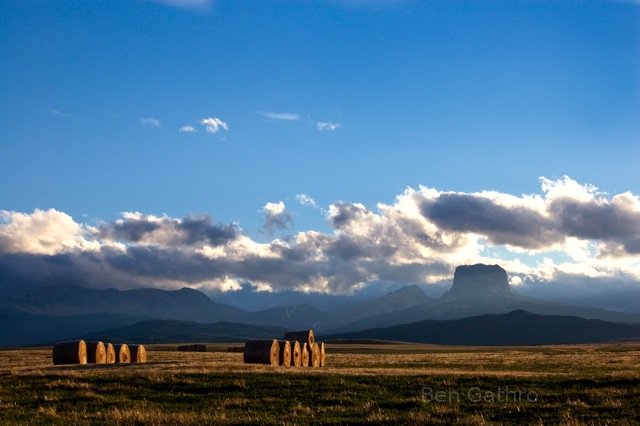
<point x="169" y="331"/>
<point x="514" y="328"/>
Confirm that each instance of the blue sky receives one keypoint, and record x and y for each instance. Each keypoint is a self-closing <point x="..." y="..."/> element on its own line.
<point x="348" y="100"/>
<point x="458" y="95"/>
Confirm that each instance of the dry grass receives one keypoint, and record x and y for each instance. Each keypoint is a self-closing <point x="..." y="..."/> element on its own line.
<point x="383" y="384"/>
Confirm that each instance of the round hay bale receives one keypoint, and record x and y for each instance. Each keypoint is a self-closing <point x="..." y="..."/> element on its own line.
<point x="314" y="356"/>
<point x="296" y="354"/>
<point x="284" y="358"/>
<point x="111" y="353"/>
<point x="304" y="359"/>
<point x="123" y="355"/>
<point x="96" y="352"/>
<point x="323" y="355"/>
<point x="262" y="352"/>
<point x="300" y="336"/>
<point x="138" y="353"/>
<point x="74" y="352"/>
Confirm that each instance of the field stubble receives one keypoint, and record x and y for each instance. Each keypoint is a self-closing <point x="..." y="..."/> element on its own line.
<point x="398" y="383"/>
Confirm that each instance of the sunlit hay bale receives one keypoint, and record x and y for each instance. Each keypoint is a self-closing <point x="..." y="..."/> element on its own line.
<point x="262" y="352"/>
<point x="314" y="355"/>
<point x="96" y="352"/>
<point x="138" y="353"/>
<point x="193" y="348"/>
<point x="74" y="352"/>
<point x="123" y="355"/>
<point x="304" y="359"/>
<point x="300" y="336"/>
<point x="284" y="357"/>
<point x="296" y="354"/>
<point x="111" y="353"/>
<point x="323" y="355"/>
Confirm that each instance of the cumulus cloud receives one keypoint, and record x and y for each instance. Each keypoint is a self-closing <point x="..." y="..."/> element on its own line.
<point x="327" y="126"/>
<point x="41" y="232"/>
<point x="275" y="217"/>
<point x="567" y="209"/>
<point x="187" y="129"/>
<point x="213" y="124"/>
<point x="148" y="121"/>
<point x="284" y="116"/>
<point x="567" y="233"/>
<point x="139" y="228"/>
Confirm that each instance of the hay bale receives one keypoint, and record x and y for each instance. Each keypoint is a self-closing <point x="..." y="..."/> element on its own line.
<point x="74" y="352"/>
<point x="123" y="355"/>
<point x="235" y="349"/>
<point x="304" y="359"/>
<point x="284" y="357"/>
<point x="314" y="355"/>
<point x="301" y="336"/>
<point x="296" y="354"/>
<point x="138" y="354"/>
<point x="111" y="353"/>
<point x="196" y="347"/>
<point x="96" y="352"/>
<point x="323" y="355"/>
<point x="262" y="352"/>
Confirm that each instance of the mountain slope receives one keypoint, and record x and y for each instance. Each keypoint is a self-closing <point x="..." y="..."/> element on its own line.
<point x="477" y="290"/>
<point x="23" y="329"/>
<point x="168" y="331"/>
<point x="296" y="316"/>
<point x="183" y="304"/>
<point x="514" y="328"/>
<point x="396" y="301"/>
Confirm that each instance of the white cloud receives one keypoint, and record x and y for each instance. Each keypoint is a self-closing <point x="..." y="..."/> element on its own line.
<point x="59" y="113"/>
<point x="214" y="124"/>
<point x="42" y="232"/>
<point x="187" y="129"/>
<point x="275" y="216"/>
<point x="284" y="116"/>
<point x="327" y="126"/>
<point x="148" y="121"/>
<point x="306" y="200"/>
<point x="566" y="230"/>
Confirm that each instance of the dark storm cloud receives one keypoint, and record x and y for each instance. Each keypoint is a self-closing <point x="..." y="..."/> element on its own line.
<point x="200" y="229"/>
<point x="190" y="230"/>
<point x="516" y="226"/>
<point x="528" y="228"/>
<point x="597" y="220"/>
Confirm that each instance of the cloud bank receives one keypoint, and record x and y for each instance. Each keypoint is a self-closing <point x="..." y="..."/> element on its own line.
<point x="567" y="234"/>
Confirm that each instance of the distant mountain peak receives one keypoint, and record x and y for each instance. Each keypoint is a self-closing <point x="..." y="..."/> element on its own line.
<point x="479" y="280"/>
<point x="410" y="290"/>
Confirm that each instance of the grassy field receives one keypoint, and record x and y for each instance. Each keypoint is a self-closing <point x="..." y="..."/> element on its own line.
<point x="373" y="383"/>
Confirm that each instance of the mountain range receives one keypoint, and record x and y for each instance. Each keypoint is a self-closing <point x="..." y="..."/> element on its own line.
<point x="33" y="315"/>
<point x="513" y="328"/>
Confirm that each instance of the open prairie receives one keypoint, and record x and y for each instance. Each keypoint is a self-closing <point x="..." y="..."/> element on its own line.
<point x="363" y="383"/>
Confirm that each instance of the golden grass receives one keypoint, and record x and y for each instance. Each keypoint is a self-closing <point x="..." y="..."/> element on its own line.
<point x="611" y="360"/>
<point x="574" y="382"/>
